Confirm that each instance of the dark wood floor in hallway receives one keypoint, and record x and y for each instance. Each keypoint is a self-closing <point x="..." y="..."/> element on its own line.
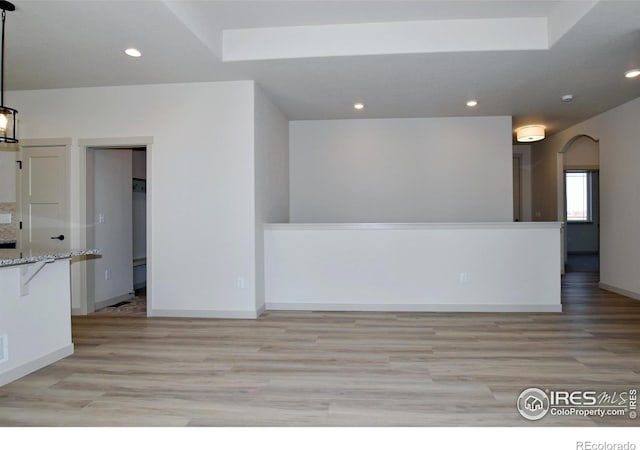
<point x="335" y="369"/>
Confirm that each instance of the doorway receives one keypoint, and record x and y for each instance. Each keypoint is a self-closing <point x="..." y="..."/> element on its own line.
<point x="581" y="185"/>
<point x="116" y="212"/>
<point x="517" y="194"/>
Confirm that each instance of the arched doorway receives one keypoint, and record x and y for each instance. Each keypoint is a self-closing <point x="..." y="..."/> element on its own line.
<point x="580" y="203"/>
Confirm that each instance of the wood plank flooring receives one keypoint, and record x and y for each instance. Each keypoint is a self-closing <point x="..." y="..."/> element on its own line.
<point x="335" y="369"/>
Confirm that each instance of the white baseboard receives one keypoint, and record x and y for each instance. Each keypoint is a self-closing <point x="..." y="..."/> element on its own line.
<point x="203" y="314"/>
<point x="25" y="369"/>
<point x="112" y="301"/>
<point x="261" y="311"/>
<point x="617" y="290"/>
<point x="410" y="307"/>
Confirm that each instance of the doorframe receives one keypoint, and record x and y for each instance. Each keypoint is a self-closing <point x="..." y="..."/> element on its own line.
<point x="561" y="194"/>
<point x="517" y="157"/>
<point x="43" y="142"/>
<point x="123" y="142"/>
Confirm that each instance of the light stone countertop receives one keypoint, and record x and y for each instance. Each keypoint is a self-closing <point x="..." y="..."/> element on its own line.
<point x="13" y="257"/>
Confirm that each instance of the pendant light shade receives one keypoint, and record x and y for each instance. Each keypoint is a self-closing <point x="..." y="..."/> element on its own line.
<point x="8" y="116"/>
<point x="530" y="133"/>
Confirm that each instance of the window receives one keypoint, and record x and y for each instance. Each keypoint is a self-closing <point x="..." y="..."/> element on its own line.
<point x="578" y="191"/>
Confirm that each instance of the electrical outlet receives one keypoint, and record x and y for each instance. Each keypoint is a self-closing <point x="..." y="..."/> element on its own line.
<point x="463" y="278"/>
<point x="101" y="218"/>
<point x="107" y="274"/>
<point x="240" y="283"/>
<point x="5" y="218"/>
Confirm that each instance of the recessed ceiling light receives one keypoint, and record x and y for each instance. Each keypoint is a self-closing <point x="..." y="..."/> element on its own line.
<point x="567" y="97"/>
<point x="633" y="73"/>
<point x="133" y="52"/>
<point x="472" y="103"/>
<point x="358" y="106"/>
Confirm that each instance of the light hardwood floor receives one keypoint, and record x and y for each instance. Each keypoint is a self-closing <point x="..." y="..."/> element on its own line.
<point x="335" y="369"/>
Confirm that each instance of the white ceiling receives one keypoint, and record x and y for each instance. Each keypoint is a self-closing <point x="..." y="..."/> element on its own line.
<point x="316" y="58"/>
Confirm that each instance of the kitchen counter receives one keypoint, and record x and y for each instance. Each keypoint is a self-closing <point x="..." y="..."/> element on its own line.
<point x="12" y="257"/>
<point x="35" y="309"/>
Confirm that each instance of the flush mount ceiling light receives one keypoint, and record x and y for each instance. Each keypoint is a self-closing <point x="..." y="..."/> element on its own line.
<point x="530" y="133"/>
<point x="633" y="73"/>
<point x="7" y="115"/>
<point x="472" y="103"/>
<point x="133" y="52"/>
<point x="358" y="106"/>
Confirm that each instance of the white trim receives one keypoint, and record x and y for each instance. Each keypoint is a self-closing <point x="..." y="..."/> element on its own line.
<point x="414" y="226"/>
<point x="261" y="310"/>
<point x="203" y="313"/>
<point x="115" y="142"/>
<point x="31" y="366"/>
<point x="410" y="307"/>
<point x="134" y="141"/>
<point x="112" y="301"/>
<point x="46" y="142"/>
<point x="620" y="291"/>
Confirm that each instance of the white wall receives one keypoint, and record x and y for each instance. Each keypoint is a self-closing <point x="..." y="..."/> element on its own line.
<point x="619" y="189"/>
<point x="7" y="175"/>
<point x="401" y="170"/>
<point x="583" y="153"/>
<point x="201" y="181"/>
<point x="414" y="267"/>
<point x="113" y="236"/>
<point x="271" y="176"/>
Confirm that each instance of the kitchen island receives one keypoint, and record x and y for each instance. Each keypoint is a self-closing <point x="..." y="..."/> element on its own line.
<point x="35" y="309"/>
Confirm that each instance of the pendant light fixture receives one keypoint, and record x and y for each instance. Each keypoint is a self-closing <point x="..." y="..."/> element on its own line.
<point x="7" y="115"/>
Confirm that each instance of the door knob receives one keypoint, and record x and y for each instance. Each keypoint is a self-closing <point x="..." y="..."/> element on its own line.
<point x="61" y="237"/>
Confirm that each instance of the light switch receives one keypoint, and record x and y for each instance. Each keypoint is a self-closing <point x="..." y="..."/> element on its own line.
<point x="5" y="218"/>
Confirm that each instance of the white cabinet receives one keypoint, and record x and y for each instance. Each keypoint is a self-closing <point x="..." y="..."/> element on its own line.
<point x="35" y="328"/>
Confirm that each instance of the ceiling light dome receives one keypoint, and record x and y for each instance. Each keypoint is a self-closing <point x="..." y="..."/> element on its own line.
<point x="133" y="52"/>
<point x="530" y="133"/>
<point x="633" y="73"/>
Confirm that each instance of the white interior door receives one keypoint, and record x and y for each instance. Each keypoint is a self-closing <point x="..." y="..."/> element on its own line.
<point x="45" y="199"/>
